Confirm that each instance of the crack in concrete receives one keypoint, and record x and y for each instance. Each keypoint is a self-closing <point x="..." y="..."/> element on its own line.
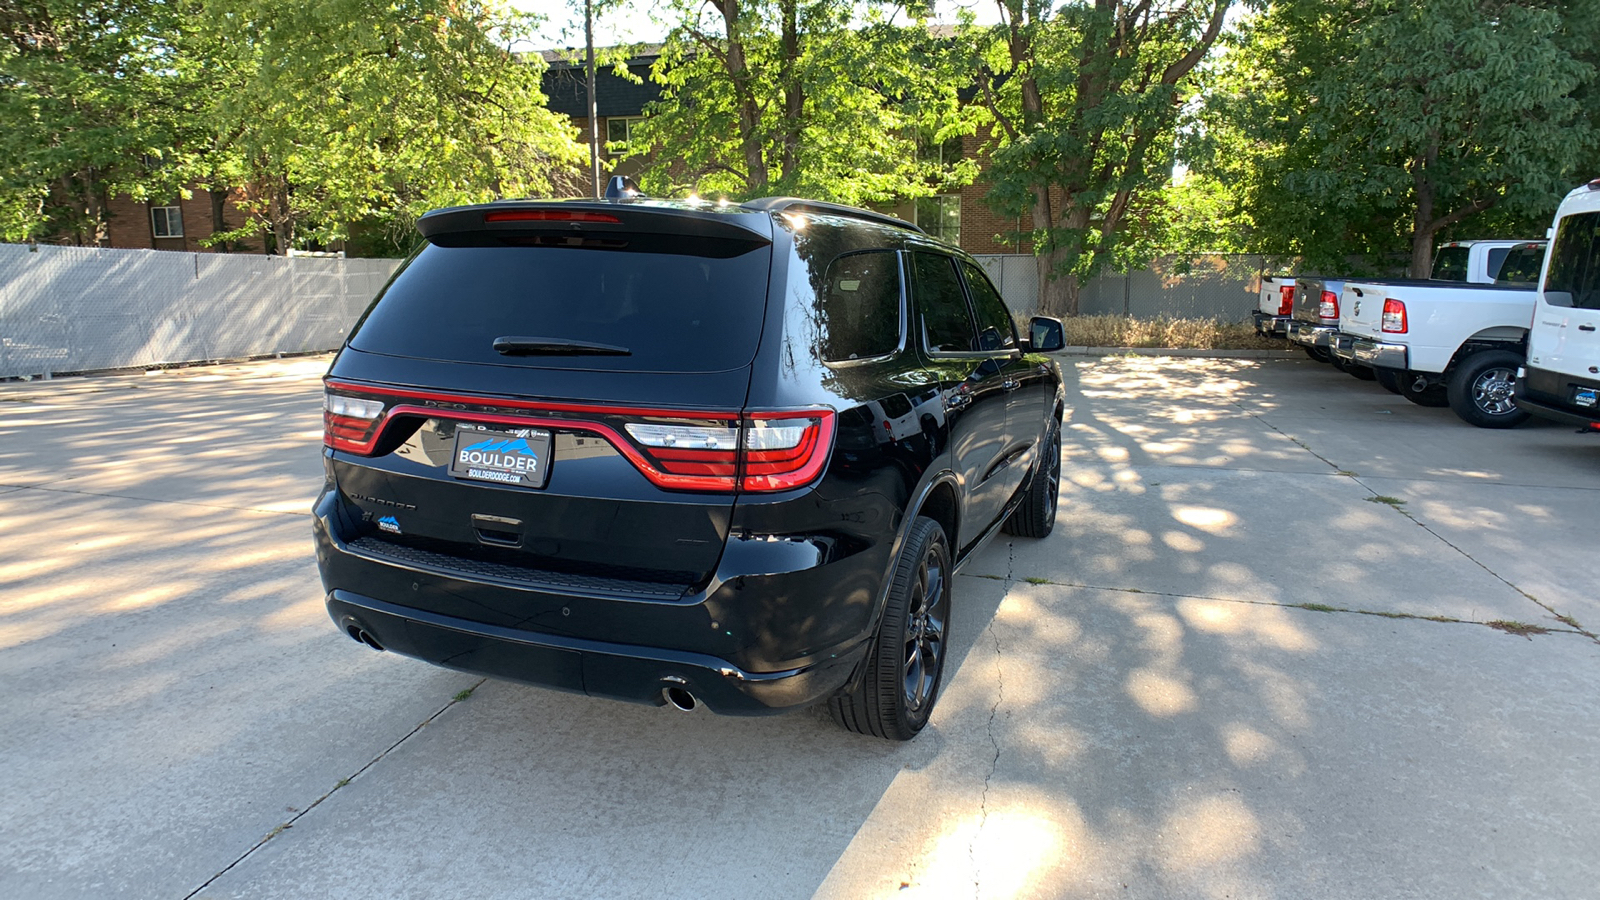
<point x="343" y="782"/>
<point x="994" y="711"/>
<point x="56" y="490"/>
<point x="1566" y="620"/>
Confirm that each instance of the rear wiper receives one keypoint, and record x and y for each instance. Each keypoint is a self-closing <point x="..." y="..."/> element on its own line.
<point x="542" y="346"/>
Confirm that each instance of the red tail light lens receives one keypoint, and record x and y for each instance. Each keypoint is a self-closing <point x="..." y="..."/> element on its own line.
<point x="1329" y="307"/>
<point x="549" y="215"/>
<point x="785" y="450"/>
<point x="1286" y="300"/>
<point x="1394" y="317"/>
<point x="350" y="423"/>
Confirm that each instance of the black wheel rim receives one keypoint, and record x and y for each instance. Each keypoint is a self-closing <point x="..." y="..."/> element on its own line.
<point x="1052" y="476"/>
<point x="1491" y="391"/>
<point x="923" y="655"/>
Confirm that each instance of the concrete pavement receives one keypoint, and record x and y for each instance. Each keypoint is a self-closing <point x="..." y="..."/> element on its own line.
<point x="1162" y="699"/>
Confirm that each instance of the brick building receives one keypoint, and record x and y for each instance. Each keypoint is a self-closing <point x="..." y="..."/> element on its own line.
<point x="180" y="224"/>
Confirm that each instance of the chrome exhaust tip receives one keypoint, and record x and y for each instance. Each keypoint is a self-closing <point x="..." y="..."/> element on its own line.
<point x="360" y="636"/>
<point x="679" y="698"/>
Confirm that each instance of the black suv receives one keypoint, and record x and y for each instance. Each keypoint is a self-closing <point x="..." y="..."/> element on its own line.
<point x="682" y="453"/>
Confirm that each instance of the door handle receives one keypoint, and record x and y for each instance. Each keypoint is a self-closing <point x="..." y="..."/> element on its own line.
<point x="1009" y="385"/>
<point x="1585" y="327"/>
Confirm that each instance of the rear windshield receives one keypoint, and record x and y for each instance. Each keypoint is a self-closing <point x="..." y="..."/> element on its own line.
<point x="673" y="312"/>
<point x="1519" y="265"/>
<point x="1450" y="264"/>
<point x="1574" y="278"/>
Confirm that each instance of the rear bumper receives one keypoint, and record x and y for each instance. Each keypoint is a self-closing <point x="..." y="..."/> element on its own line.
<point x="1380" y="354"/>
<point x="1269" y="325"/>
<point x="597" y="668"/>
<point x="1309" y="335"/>
<point x="1342" y="345"/>
<point x="1535" y="393"/>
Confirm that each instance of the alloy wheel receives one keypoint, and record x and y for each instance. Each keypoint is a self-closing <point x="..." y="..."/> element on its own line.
<point x="1491" y="391"/>
<point x="924" y="650"/>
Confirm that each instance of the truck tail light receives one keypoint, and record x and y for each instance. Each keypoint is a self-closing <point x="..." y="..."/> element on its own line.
<point x="1394" y="317"/>
<point x="1286" y="300"/>
<point x="1329" y="307"/>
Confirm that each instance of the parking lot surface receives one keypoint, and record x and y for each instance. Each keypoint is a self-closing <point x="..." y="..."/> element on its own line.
<point x="1263" y="655"/>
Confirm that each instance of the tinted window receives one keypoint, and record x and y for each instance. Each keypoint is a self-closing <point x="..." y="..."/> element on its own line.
<point x="896" y="405"/>
<point x="675" y="312"/>
<point x="946" y="324"/>
<point x="1574" y="278"/>
<point x="1521" y="266"/>
<point x="1450" y="264"/>
<point x="1497" y="258"/>
<point x="861" y="306"/>
<point x="996" y="331"/>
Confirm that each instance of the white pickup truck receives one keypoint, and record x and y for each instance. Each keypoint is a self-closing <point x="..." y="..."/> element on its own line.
<point x="1446" y="344"/>
<point x="1274" y="306"/>
<point x="1561" y="380"/>
<point x="1315" y="316"/>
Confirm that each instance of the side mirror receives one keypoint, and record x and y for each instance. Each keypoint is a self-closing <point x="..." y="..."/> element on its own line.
<point x="1046" y="335"/>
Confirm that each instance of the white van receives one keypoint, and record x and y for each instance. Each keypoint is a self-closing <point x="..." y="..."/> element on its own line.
<point x="1561" y="379"/>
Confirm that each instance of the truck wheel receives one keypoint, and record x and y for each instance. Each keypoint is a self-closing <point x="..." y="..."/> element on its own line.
<point x="1433" y="395"/>
<point x="1389" y="378"/>
<point x="1364" y="373"/>
<point x="906" y="663"/>
<point x="1480" y="389"/>
<point x="1037" y="514"/>
<point x="1337" y="362"/>
<point x="1318" y="354"/>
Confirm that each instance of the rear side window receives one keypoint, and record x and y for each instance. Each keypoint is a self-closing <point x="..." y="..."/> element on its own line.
<point x="996" y="331"/>
<point x="861" y="306"/>
<point x="1574" y="278"/>
<point x="673" y="312"/>
<point x="1450" y="264"/>
<point x="1521" y="266"/>
<point x="947" y="325"/>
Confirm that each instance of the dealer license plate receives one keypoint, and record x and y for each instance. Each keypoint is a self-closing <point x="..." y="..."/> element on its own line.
<point x="520" y="457"/>
<point x="1587" y="397"/>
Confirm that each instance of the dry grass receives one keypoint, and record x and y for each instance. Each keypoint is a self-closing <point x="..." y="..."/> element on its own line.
<point x="1187" y="334"/>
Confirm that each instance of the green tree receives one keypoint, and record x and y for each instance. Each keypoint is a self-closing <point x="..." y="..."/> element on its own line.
<point x="1369" y="129"/>
<point x="830" y="99"/>
<point x="1086" y="99"/>
<point x="91" y="108"/>
<point x="334" y="111"/>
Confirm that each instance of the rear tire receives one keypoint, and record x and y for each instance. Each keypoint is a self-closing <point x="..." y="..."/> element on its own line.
<point x="1364" y="373"/>
<point x="1480" y="389"/>
<point x="1389" y="378"/>
<point x="1037" y="514"/>
<point x="1431" y="396"/>
<point x="905" y="665"/>
<point x="1318" y="354"/>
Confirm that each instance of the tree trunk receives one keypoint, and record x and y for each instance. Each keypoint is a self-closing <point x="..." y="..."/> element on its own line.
<point x="794" y="97"/>
<point x="1422" y="226"/>
<point x="750" y="143"/>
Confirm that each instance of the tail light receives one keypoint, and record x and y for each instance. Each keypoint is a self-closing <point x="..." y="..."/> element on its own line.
<point x="678" y="450"/>
<point x="1286" y="300"/>
<point x="1329" y="307"/>
<point x="350" y="423"/>
<point x="1394" y="317"/>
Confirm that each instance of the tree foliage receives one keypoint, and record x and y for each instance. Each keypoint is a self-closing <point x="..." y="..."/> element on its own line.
<point x="1367" y="129"/>
<point x="828" y="99"/>
<point x="1086" y="100"/>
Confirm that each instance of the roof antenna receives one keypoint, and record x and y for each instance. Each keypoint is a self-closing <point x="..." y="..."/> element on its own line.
<point x="621" y="187"/>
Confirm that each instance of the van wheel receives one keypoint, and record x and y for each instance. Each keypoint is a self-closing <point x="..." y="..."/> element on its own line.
<point x="906" y="663"/>
<point x="1037" y="514"/>
<point x="1388" y="378"/>
<point x="1432" y="396"/>
<point x="1480" y="389"/>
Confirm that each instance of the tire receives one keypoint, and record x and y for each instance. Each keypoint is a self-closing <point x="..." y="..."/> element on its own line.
<point x="1037" y="514"/>
<point x="1317" y="354"/>
<point x="1479" y="389"/>
<point x="896" y="693"/>
<point x="1388" y="378"/>
<point x="1364" y="373"/>
<point x="1431" y="396"/>
<point x="1338" y="363"/>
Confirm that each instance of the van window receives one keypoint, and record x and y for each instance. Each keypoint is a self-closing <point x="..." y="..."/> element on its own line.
<point x="861" y="306"/>
<point x="673" y="311"/>
<point x="946" y="323"/>
<point x="1574" y="278"/>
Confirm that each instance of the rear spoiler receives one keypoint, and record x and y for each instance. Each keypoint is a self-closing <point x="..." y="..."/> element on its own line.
<point x="597" y="219"/>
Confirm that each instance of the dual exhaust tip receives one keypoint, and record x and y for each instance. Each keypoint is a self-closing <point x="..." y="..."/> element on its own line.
<point x="674" y="695"/>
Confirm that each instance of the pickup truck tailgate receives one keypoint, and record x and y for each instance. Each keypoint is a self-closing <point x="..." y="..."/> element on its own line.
<point x="1361" y="310"/>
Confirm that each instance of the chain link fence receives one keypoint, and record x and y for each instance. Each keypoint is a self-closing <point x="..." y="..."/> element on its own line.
<point x="77" y="309"/>
<point x="1213" y="286"/>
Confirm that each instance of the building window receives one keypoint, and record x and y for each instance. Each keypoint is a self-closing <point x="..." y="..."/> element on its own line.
<point x="166" y="221"/>
<point x="940" y="217"/>
<point x="619" y="133"/>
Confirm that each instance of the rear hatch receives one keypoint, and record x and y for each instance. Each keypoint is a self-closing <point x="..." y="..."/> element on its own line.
<point x="546" y="393"/>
